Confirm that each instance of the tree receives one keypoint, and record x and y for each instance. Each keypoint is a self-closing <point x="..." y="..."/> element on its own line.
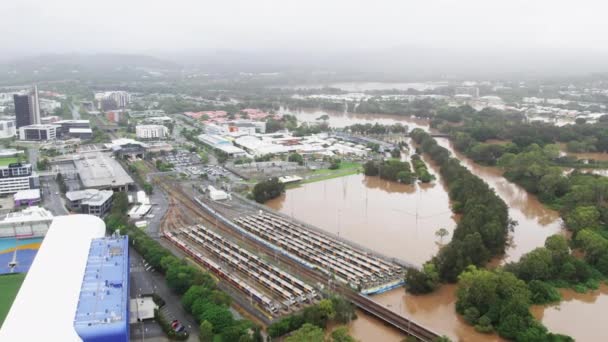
<point x="206" y="332"/>
<point x="583" y="217"/>
<point x="148" y="188"/>
<point x="62" y="186"/>
<point x="340" y="334"/>
<point x="344" y="310"/>
<point x="421" y="281"/>
<point x="441" y="233"/>
<point x="296" y="158"/>
<point x="307" y="333"/>
<point x="370" y="168"/>
<point x="120" y="203"/>
<point x="268" y="189"/>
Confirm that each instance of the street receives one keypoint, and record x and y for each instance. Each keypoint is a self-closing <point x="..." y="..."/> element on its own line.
<point x="51" y="196"/>
<point x="148" y="282"/>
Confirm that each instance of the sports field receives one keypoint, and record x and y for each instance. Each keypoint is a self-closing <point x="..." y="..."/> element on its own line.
<point x="7" y="160"/>
<point x="9" y="286"/>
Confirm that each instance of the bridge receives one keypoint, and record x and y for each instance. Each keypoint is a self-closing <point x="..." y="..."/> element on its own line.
<point x="392" y="318"/>
<point x="439" y="135"/>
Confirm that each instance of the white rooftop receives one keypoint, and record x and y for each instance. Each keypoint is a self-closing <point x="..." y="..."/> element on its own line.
<point x="33" y="213"/>
<point x="90" y="196"/>
<point x="101" y="170"/>
<point x="27" y="194"/>
<point x="81" y="130"/>
<point x="45" y="306"/>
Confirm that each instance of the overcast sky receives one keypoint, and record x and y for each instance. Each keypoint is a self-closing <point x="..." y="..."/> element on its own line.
<point x="35" y="27"/>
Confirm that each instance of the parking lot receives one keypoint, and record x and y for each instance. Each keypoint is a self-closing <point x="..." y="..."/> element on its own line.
<point x="182" y="158"/>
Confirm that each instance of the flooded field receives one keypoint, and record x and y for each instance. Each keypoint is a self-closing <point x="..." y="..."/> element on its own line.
<point x="394" y="219"/>
<point x="341" y="119"/>
<point x="400" y="221"/>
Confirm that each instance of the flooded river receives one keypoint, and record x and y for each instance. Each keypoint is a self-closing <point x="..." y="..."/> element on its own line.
<point x="580" y="315"/>
<point x="341" y="119"/>
<point x="400" y="221"/>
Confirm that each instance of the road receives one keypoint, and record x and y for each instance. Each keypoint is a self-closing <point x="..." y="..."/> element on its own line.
<point x="75" y="112"/>
<point x="148" y="282"/>
<point x="51" y="197"/>
<point x="159" y="208"/>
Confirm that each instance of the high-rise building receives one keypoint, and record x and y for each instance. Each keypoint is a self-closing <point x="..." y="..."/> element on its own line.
<point x="27" y="108"/>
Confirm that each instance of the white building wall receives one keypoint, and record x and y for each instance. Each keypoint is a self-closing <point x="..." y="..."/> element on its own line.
<point x="151" y="131"/>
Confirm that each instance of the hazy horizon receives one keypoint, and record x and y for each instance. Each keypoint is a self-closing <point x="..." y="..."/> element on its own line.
<point x="443" y="36"/>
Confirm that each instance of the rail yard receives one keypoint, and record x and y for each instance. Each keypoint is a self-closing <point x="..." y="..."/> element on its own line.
<point x="290" y="291"/>
<point x="356" y="268"/>
<point x="274" y="291"/>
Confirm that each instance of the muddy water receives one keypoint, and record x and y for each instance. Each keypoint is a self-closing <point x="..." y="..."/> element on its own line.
<point x="382" y="216"/>
<point x="581" y="316"/>
<point x="535" y="222"/>
<point x="375" y="213"/>
<point x="341" y="119"/>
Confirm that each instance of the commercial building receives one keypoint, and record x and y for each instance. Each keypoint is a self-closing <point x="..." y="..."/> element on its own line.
<point x="76" y="289"/>
<point x="7" y="128"/>
<point x="115" y="115"/>
<point x="222" y="144"/>
<point x="217" y="195"/>
<point x="151" y="131"/>
<point x="103" y="307"/>
<point x="39" y="132"/>
<point x="128" y="148"/>
<point x="464" y="90"/>
<point x="101" y="171"/>
<point x="27" y="197"/>
<point x="112" y="100"/>
<point x="159" y="120"/>
<point x="27" y="223"/>
<point x="90" y="201"/>
<point x="27" y="108"/>
<point x="17" y="176"/>
<point x="147" y="113"/>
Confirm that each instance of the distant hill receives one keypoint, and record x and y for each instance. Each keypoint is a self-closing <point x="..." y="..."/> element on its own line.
<point x="82" y="66"/>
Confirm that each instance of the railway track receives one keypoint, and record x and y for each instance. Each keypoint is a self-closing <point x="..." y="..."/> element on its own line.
<point x="184" y="202"/>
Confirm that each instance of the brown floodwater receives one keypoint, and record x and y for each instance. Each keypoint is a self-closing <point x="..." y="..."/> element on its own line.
<point x="401" y="220"/>
<point x="579" y="315"/>
<point x="375" y="213"/>
<point x="342" y="119"/>
<point x="535" y="222"/>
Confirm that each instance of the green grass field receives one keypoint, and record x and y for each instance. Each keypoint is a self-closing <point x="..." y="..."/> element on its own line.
<point x="346" y="169"/>
<point x="9" y="286"/>
<point x="7" y="160"/>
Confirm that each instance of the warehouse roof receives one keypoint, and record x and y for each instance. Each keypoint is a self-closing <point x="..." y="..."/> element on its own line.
<point x="104" y="295"/>
<point x="46" y="303"/>
<point x="100" y="170"/>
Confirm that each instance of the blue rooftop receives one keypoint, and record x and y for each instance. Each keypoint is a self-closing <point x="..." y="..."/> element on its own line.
<point x="103" y="306"/>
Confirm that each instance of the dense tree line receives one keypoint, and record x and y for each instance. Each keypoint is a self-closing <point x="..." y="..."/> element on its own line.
<point x="481" y="232"/>
<point x="376" y="128"/>
<point x="421" y="170"/>
<point x="486" y="124"/>
<point x="200" y="295"/>
<point x="498" y="301"/>
<point x="267" y="190"/>
<point x="393" y="170"/>
<point x="336" y="309"/>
